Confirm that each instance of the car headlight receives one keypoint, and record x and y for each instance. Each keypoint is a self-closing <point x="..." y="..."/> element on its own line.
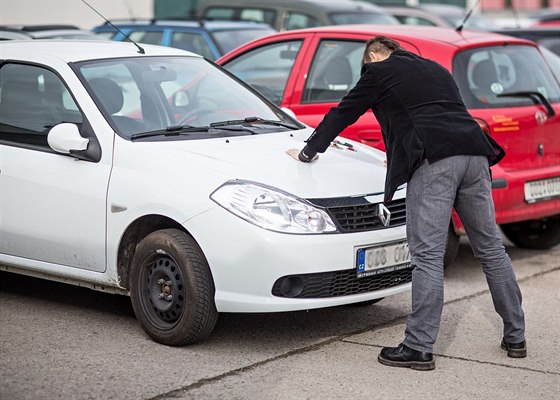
<point x="272" y="208"/>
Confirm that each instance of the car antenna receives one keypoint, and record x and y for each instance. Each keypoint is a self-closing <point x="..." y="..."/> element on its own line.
<point x="140" y="49"/>
<point x="464" y="21"/>
<point x="515" y="15"/>
<point x="129" y="10"/>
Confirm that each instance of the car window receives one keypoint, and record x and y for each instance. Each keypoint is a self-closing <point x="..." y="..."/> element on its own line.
<point x="148" y="37"/>
<point x="298" y="20"/>
<point x="244" y="14"/>
<point x="486" y="75"/>
<point x="350" y="18"/>
<point x="267" y="68"/>
<point x="229" y="39"/>
<point x="32" y="101"/>
<point x="220" y="13"/>
<point x="412" y="20"/>
<point x="257" y="15"/>
<point x="192" y="42"/>
<point x="117" y="93"/>
<point x="334" y="71"/>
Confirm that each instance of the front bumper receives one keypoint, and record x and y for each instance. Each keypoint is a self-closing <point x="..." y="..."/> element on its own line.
<point x="246" y="261"/>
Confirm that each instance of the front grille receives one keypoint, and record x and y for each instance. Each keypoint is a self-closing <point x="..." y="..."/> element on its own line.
<point x="338" y="283"/>
<point x="352" y="217"/>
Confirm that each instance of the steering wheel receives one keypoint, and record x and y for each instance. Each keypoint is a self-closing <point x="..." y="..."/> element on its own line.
<point x="268" y="93"/>
<point x="194" y="115"/>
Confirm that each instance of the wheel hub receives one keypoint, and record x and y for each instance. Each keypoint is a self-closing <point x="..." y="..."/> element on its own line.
<point x="166" y="289"/>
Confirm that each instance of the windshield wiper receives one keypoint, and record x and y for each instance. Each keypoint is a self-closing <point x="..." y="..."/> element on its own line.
<point x="537" y="97"/>
<point x="250" y="120"/>
<point x="235" y="125"/>
<point x="172" y="130"/>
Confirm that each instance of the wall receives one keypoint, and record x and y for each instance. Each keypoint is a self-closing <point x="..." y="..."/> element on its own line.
<point x="74" y="12"/>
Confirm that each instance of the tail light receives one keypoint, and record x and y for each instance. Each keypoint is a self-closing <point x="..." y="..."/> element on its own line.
<point x="484" y="126"/>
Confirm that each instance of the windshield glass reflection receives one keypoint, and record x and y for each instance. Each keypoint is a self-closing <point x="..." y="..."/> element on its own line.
<point x="147" y="94"/>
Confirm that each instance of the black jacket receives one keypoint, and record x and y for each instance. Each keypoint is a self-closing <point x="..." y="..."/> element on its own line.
<point x="419" y="108"/>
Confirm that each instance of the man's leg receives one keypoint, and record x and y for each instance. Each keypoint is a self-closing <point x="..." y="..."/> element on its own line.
<point x="430" y="198"/>
<point x="476" y="209"/>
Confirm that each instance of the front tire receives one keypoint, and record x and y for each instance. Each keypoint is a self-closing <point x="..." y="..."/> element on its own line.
<point x="172" y="289"/>
<point x="537" y="234"/>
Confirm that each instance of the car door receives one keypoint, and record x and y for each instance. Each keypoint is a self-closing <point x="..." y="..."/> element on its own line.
<point x="52" y="206"/>
<point x="272" y="67"/>
<point x="331" y="67"/>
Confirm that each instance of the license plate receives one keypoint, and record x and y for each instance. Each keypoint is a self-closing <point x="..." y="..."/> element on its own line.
<point x="542" y="190"/>
<point x="379" y="259"/>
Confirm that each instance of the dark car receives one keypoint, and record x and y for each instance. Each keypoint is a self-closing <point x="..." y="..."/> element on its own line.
<point x="547" y="17"/>
<point x="210" y="39"/>
<point x="285" y="15"/>
<point x="455" y="16"/>
<point x="545" y="36"/>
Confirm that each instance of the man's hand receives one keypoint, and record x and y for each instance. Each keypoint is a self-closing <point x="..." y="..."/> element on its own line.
<point x="295" y="152"/>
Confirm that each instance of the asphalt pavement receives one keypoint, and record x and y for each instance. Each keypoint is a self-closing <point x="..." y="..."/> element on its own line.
<point x="60" y="341"/>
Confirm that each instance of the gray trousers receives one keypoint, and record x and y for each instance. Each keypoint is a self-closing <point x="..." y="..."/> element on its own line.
<point x="462" y="182"/>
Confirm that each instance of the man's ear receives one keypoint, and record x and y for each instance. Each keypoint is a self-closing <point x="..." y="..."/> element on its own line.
<point x="374" y="57"/>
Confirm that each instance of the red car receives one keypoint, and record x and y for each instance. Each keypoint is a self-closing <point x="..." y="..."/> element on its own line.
<point x="504" y="81"/>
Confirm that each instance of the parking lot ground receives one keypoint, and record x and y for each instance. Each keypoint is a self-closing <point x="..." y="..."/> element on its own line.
<point x="470" y="363"/>
<point x="62" y="341"/>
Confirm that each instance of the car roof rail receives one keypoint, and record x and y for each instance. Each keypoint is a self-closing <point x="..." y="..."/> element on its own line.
<point x="36" y="28"/>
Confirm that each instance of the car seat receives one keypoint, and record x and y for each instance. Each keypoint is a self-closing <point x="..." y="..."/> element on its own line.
<point x="111" y="96"/>
<point x="484" y="74"/>
<point x="335" y="80"/>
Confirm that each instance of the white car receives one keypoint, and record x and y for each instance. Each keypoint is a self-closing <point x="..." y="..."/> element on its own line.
<point x="148" y="171"/>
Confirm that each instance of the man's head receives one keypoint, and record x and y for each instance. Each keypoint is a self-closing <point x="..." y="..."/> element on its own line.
<point x="379" y="48"/>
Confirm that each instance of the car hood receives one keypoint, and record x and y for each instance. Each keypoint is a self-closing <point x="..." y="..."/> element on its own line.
<point x="338" y="172"/>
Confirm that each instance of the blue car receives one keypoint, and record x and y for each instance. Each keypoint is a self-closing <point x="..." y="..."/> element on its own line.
<point x="210" y="39"/>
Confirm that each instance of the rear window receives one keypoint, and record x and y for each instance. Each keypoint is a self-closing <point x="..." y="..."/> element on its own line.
<point x="487" y="76"/>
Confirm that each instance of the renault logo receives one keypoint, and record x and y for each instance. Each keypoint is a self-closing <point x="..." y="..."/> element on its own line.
<point x="541" y="117"/>
<point x="384" y="214"/>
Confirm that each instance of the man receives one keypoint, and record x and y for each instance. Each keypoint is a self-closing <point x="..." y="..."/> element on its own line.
<point x="435" y="146"/>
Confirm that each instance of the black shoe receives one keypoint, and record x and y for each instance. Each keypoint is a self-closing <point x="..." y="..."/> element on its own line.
<point x="404" y="356"/>
<point x="515" y="350"/>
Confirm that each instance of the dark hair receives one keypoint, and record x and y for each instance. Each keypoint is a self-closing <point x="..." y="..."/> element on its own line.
<point x="379" y="44"/>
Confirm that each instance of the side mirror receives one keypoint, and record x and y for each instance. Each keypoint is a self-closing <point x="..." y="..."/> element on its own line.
<point x="65" y="138"/>
<point x="180" y="99"/>
<point x="289" y="112"/>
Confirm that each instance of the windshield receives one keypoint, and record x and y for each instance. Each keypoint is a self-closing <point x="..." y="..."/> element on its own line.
<point x="487" y="74"/>
<point x="228" y="40"/>
<point x="351" y="18"/>
<point x="147" y="94"/>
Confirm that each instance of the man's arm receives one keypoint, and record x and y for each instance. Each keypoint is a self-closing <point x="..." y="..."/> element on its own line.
<point x="351" y="107"/>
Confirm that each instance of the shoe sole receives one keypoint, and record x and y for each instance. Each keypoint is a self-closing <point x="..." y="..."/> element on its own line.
<point x="417" y="365"/>
<point x="514" y="353"/>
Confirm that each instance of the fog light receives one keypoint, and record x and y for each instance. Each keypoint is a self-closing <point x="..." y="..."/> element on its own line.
<point x="291" y="286"/>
